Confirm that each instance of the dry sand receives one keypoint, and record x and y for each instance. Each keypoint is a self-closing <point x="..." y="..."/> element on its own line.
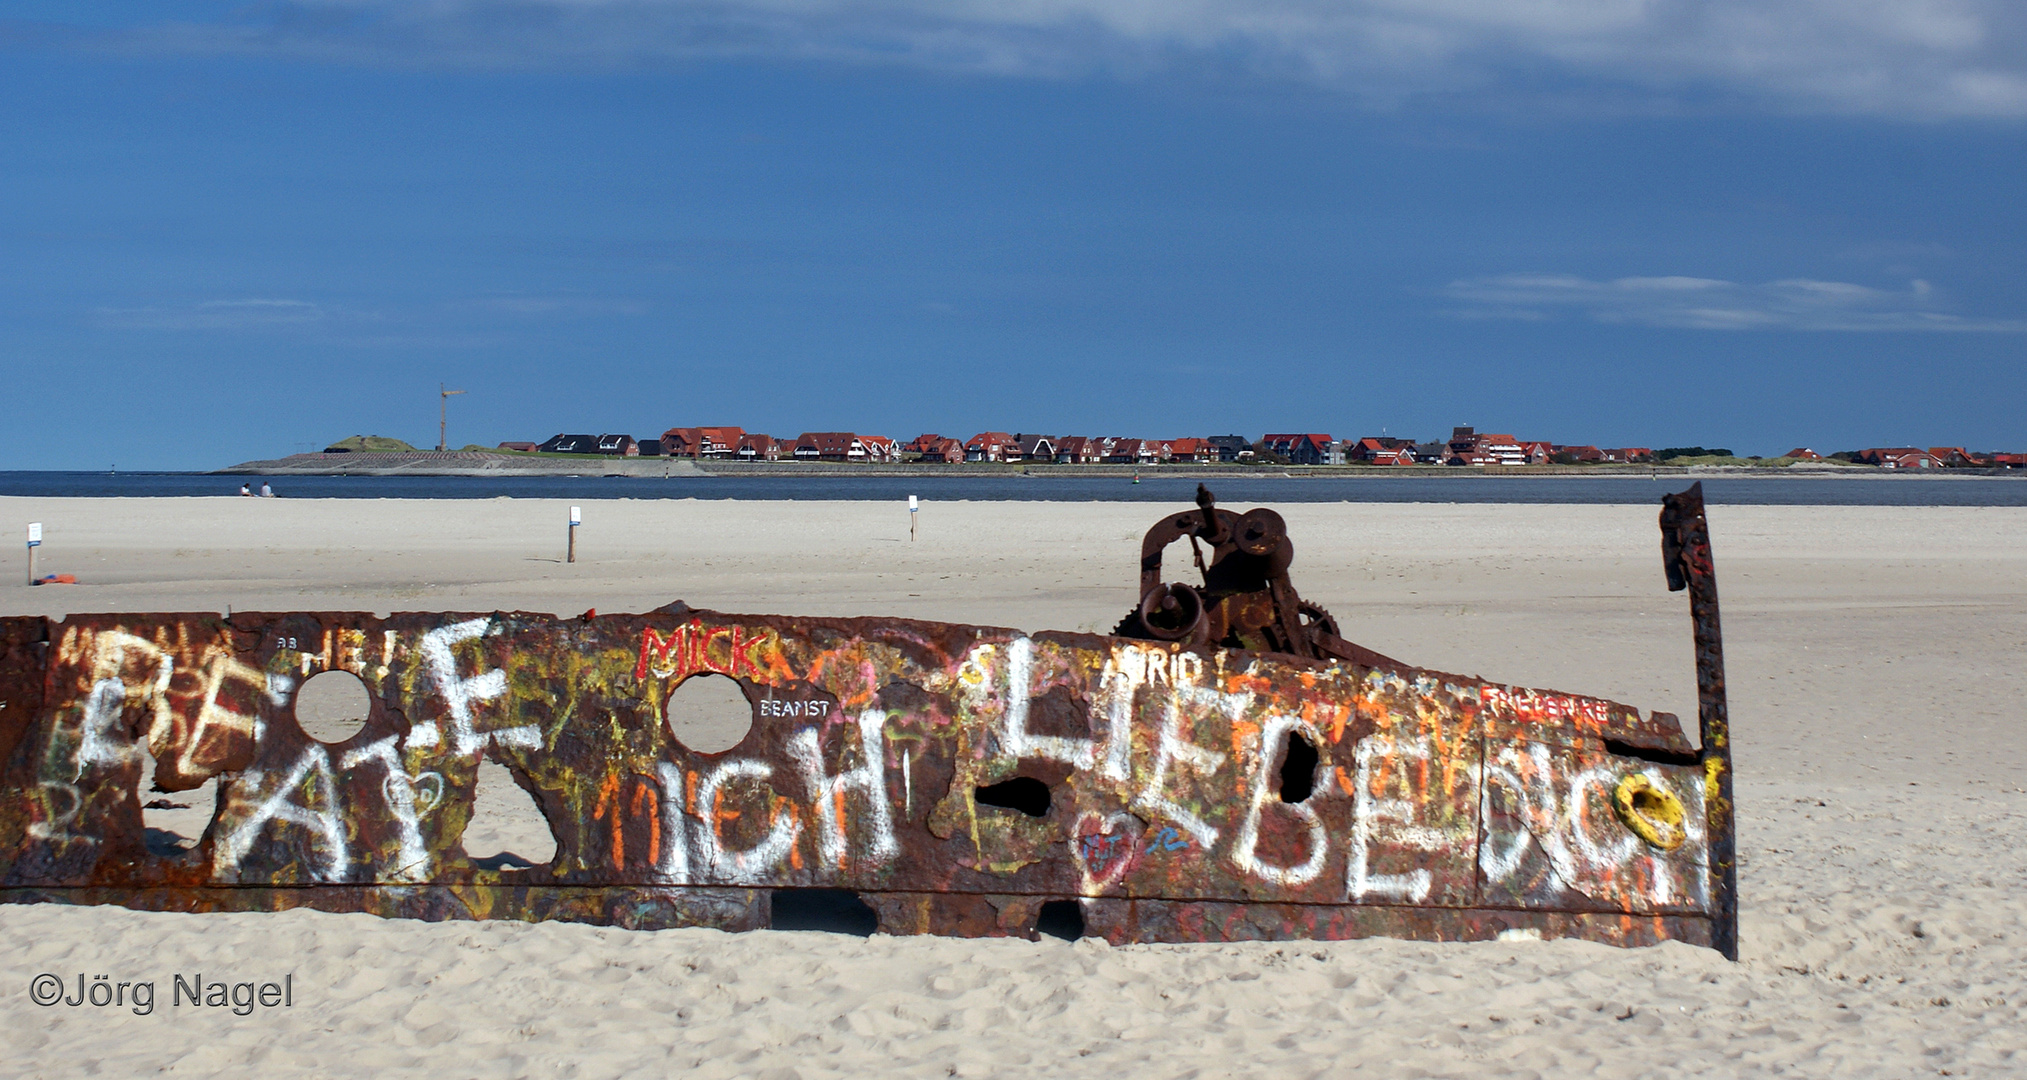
<point x="1876" y="679"/>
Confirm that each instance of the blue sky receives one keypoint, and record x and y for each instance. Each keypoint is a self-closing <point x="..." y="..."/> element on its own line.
<point x="236" y="231"/>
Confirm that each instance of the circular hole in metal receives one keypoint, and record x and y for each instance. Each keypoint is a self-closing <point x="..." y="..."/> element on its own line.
<point x="708" y="713"/>
<point x="1651" y="811"/>
<point x="332" y="706"/>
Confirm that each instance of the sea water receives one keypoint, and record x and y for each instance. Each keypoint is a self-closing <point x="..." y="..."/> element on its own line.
<point x="1867" y="489"/>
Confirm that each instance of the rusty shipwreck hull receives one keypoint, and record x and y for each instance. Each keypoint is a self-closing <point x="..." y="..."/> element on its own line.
<point x="1173" y="792"/>
<point x="1437" y="806"/>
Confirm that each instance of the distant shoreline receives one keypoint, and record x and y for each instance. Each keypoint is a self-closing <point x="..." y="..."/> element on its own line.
<point x="474" y="463"/>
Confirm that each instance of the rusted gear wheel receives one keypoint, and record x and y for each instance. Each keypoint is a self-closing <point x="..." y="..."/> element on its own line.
<point x="1315" y="618"/>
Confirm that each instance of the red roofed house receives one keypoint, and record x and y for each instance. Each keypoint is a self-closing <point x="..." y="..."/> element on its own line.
<point x="707" y="442"/>
<point x="754" y="446"/>
<point x="1537" y="453"/>
<point x="1077" y="450"/>
<point x="1192" y="451"/>
<point x="1803" y="453"/>
<point x="829" y="446"/>
<point x="880" y="448"/>
<point x="992" y="446"/>
<point x="1309" y="449"/>
<point x="1899" y="457"/>
<point x="523" y="447"/>
<point x="1383" y="451"/>
<point x="934" y="448"/>
<point x="1119" y="451"/>
<point x="1956" y="457"/>
<point x="1468" y="447"/>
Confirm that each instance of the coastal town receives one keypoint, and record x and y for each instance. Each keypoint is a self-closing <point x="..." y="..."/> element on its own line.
<point x="1465" y="447"/>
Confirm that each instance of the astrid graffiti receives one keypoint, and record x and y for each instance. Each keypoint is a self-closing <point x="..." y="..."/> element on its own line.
<point x="956" y="777"/>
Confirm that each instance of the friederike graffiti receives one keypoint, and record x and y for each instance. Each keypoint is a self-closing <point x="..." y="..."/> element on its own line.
<point x="1174" y="791"/>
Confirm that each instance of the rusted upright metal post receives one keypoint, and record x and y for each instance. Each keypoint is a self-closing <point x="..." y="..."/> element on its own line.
<point x="1685" y="556"/>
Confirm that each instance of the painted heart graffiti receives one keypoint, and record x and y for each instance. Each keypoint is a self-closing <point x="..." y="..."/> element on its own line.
<point x="1107" y="846"/>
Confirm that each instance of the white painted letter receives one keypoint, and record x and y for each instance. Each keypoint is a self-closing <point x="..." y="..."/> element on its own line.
<point x="740" y="866"/>
<point x="1367" y="811"/>
<point x="1272" y="735"/>
<point x="324" y="821"/>
<point x="1172" y="748"/>
<point x="459" y="694"/>
<point x="828" y="793"/>
<point x="674" y="863"/>
<point x="1020" y="663"/>
<point x="399" y="789"/>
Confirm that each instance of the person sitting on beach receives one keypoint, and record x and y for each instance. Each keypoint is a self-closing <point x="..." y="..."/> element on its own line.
<point x="266" y="492"/>
<point x="246" y="491"/>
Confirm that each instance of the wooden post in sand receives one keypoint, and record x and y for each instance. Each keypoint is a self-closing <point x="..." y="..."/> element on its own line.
<point x="34" y="541"/>
<point x="576" y="517"/>
<point x="913" y="506"/>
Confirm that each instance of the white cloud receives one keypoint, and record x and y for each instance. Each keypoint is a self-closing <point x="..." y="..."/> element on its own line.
<point x="270" y="314"/>
<point x="254" y="314"/>
<point x="1876" y="57"/>
<point x="1710" y="304"/>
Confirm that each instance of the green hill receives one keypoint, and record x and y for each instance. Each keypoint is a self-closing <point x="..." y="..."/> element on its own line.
<point x="358" y="444"/>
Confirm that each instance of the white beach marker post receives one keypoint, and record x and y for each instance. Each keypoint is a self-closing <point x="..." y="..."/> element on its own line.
<point x="912" y="507"/>
<point x="34" y="541"/>
<point x="576" y="518"/>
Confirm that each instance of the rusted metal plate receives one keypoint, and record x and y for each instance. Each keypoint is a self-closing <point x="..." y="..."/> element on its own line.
<point x="956" y="777"/>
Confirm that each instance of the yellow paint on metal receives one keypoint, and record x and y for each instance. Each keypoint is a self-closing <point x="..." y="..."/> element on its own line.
<point x="1651" y="811"/>
<point x="1713" y="773"/>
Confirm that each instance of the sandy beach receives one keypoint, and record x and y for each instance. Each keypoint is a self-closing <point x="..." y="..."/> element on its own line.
<point x="1876" y="689"/>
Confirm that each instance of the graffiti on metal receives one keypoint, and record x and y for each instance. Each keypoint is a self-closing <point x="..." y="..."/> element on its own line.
<point x="957" y="778"/>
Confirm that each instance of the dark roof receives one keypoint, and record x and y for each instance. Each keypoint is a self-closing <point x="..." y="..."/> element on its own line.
<point x="839" y="441"/>
<point x="571" y="444"/>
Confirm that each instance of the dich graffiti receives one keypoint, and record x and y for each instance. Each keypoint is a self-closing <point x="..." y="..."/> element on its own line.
<point x="1223" y="766"/>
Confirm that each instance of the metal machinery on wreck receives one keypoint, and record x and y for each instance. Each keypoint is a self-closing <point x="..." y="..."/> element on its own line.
<point x="1223" y="766"/>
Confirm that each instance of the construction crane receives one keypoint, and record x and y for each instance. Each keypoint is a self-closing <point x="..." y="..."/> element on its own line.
<point x="443" y="414"/>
